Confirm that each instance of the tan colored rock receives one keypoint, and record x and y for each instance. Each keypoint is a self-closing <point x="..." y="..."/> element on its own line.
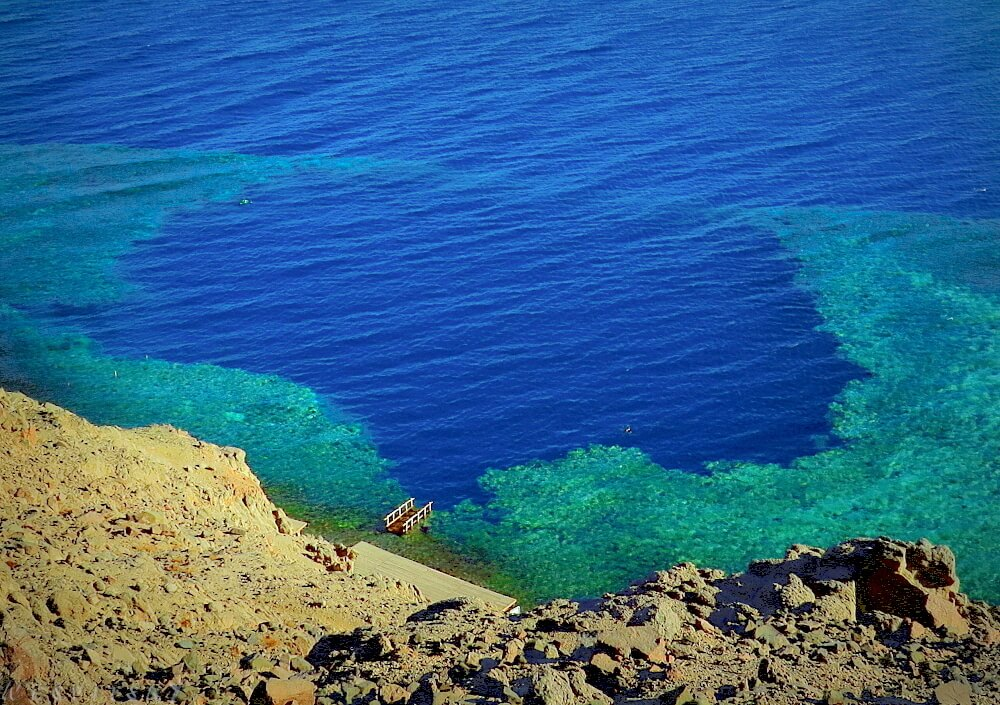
<point x="604" y="663"/>
<point x="69" y="605"/>
<point x="659" y="653"/>
<point x="623" y="640"/>
<point x="795" y="594"/>
<point x="664" y="615"/>
<point x="512" y="649"/>
<point x="91" y="518"/>
<point x="218" y="582"/>
<point x="834" y="697"/>
<point x="953" y="693"/>
<point x="839" y="605"/>
<point x="284" y="691"/>
<point x="149" y="517"/>
<point x="553" y="687"/>
<point x="393" y="694"/>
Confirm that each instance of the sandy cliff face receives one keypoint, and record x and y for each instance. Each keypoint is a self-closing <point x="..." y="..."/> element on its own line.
<point x="145" y="565"/>
<point x="127" y="552"/>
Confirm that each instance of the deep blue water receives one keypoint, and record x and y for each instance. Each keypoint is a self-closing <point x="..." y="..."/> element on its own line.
<point x="530" y="250"/>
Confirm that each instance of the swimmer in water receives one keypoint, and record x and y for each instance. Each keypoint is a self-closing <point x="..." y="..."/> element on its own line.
<point x="627" y="430"/>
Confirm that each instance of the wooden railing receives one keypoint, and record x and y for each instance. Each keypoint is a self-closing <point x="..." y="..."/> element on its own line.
<point x="399" y="511"/>
<point x="425" y="511"/>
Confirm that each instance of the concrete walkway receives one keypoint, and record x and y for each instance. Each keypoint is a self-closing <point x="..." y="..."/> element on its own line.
<point x="433" y="584"/>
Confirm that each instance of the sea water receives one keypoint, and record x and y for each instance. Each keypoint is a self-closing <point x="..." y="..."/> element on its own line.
<point x="615" y="287"/>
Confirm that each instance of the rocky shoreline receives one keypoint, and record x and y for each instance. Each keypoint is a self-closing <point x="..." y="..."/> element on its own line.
<point x="146" y="566"/>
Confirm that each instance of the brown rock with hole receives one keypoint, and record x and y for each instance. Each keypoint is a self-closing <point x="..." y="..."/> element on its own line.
<point x="917" y="581"/>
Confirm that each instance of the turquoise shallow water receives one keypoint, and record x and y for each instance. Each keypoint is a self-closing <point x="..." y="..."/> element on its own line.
<point x="67" y="232"/>
<point x="394" y="248"/>
<point x="913" y="299"/>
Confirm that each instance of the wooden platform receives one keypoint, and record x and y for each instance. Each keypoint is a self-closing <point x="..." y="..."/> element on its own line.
<point x="433" y="584"/>
<point x="406" y="517"/>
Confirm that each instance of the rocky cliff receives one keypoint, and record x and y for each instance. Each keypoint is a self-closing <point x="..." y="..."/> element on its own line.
<point x="144" y="565"/>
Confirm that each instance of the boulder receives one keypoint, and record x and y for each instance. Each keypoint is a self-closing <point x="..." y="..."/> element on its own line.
<point x="837" y="601"/>
<point x="643" y="640"/>
<point x="284" y="691"/>
<point x="953" y="693"/>
<point x="915" y="581"/>
<point x="552" y="687"/>
<point x="513" y="649"/>
<point x="69" y="605"/>
<point x="795" y="593"/>
<point x="604" y="663"/>
<point x="663" y="615"/>
<point x="767" y="634"/>
<point x="393" y="694"/>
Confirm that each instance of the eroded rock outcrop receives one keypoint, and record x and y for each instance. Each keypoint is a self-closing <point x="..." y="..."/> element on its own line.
<point x="145" y="564"/>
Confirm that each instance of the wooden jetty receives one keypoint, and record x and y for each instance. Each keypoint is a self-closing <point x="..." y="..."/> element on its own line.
<point x="406" y="517"/>
<point x="433" y="584"/>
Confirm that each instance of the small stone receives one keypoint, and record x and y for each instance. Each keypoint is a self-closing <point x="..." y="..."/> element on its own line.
<point x="770" y="636"/>
<point x="260" y="664"/>
<point x="511" y="695"/>
<point x="149" y="518"/>
<point x="185" y="694"/>
<point x="513" y="649"/>
<point x="604" y="663"/>
<point x="833" y="697"/>
<point x="185" y="644"/>
<point x="300" y="664"/>
<point x="192" y="662"/>
<point x="90" y="518"/>
<point x="92" y="654"/>
<point x="391" y="694"/>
